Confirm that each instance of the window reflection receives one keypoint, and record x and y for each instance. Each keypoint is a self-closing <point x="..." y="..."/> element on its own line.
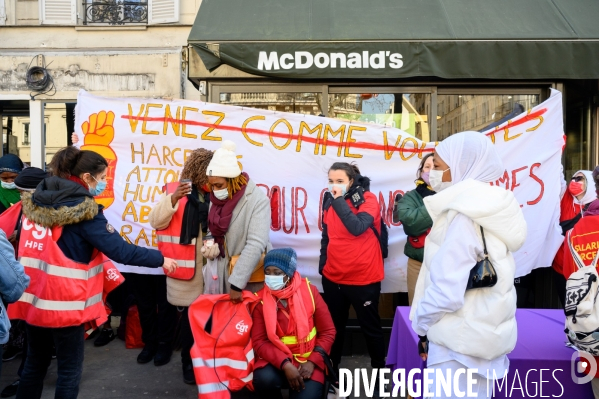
<point x="298" y="103"/>
<point x="408" y="112"/>
<point x="478" y="112"/>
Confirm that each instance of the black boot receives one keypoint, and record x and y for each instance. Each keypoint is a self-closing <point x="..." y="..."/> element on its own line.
<point x="105" y="337"/>
<point x="10" y="390"/>
<point x="163" y="354"/>
<point x="147" y="354"/>
<point x="188" y="375"/>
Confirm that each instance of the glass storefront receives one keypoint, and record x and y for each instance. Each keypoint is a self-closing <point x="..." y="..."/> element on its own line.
<point x="408" y="112"/>
<point x="297" y="103"/>
<point x="478" y="112"/>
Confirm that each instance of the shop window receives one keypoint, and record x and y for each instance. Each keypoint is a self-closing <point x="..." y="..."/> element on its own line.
<point x="408" y="112"/>
<point x="479" y="111"/>
<point x="297" y="103"/>
<point x="60" y="123"/>
<point x="25" y="134"/>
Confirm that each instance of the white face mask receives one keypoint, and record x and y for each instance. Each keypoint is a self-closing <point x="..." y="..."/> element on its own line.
<point x="221" y="194"/>
<point x="275" y="283"/>
<point x="435" y="177"/>
<point x="342" y="187"/>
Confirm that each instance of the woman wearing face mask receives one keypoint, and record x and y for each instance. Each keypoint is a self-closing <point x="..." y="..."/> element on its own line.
<point x="351" y="261"/>
<point x="191" y="223"/>
<point x="64" y="205"/>
<point x="416" y="222"/>
<point x="575" y="201"/>
<point x="239" y="221"/>
<point x="476" y="328"/>
<point x="291" y="325"/>
<point x="10" y="167"/>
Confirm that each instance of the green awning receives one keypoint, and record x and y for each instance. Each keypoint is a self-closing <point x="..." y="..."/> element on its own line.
<point x="315" y="39"/>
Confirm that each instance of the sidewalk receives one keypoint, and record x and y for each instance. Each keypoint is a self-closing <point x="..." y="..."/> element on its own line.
<point x="112" y="372"/>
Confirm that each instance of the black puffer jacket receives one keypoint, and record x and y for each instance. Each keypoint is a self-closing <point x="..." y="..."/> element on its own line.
<point x="61" y="202"/>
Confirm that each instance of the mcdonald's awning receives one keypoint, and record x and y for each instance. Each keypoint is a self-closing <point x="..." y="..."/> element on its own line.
<point x="452" y="39"/>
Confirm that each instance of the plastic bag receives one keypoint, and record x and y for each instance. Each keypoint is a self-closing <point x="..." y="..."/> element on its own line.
<point x="211" y="280"/>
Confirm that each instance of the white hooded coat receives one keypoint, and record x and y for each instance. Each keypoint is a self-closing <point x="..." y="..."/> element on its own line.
<point x="479" y="323"/>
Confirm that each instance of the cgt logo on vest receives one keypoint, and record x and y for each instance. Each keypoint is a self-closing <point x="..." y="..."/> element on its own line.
<point x="242" y="328"/>
<point x="39" y="234"/>
<point x="112" y="275"/>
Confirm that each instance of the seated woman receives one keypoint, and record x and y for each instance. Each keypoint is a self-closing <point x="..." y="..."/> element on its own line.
<point x="289" y="323"/>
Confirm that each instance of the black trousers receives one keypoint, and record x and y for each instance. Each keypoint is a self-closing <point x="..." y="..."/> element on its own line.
<point x="559" y="283"/>
<point x="365" y="300"/>
<point x="157" y="317"/>
<point x="268" y="382"/>
<point x="186" y="337"/>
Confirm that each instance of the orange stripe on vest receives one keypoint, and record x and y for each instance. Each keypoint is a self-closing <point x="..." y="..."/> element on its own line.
<point x="169" y="238"/>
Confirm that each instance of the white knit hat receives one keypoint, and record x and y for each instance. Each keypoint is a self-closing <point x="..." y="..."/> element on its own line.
<point x="224" y="161"/>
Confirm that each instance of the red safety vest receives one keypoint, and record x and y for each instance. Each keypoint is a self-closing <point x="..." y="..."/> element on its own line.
<point x="223" y="358"/>
<point x="168" y="241"/>
<point x="62" y="292"/>
<point x="10" y="217"/>
<point x="112" y="279"/>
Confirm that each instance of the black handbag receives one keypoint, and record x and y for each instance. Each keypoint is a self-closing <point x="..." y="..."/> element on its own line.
<point x="330" y="373"/>
<point x="483" y="274"/>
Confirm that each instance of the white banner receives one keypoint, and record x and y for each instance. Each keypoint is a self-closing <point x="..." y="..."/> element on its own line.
<point x="147" y="140"/>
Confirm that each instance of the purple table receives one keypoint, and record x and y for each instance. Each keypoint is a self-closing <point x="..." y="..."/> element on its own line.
<point x="540" y="346"/>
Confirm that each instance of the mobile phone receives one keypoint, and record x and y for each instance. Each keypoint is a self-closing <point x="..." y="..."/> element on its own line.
<point x="208" y="240"/>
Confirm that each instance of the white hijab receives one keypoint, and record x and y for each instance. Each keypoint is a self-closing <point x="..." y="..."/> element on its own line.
<point x="590" y="195"/>
<point x="471" y="155"/>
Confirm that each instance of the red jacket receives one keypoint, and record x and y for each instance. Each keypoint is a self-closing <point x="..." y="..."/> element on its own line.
<point x="353" y="259"/>
<point x="266" y="352"/>
<point x="585" y="240"/>
<point x="568" y="210"/>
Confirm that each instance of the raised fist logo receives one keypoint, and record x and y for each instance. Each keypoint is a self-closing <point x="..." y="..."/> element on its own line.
<point x="98" y="133"/>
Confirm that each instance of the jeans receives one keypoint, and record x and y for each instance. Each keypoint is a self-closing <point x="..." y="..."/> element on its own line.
<point x="365" y="301"/>
<point x="157" y="317"/>
<point x="69" y="356"/>
<point x="268" y="382"/>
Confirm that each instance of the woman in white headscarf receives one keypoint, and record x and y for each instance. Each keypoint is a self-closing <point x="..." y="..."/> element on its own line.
<point x="576" y="198"/>
<point x="472" y="329"/>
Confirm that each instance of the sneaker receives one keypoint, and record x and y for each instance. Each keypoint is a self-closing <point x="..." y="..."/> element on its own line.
<point x="10" y="390"/>
<point x="10" y="353"/>
<point x="188" y="375"/>
<point x="106" y="335"/>
<point x="163" y="354"/>
<point x="147" y="354"/>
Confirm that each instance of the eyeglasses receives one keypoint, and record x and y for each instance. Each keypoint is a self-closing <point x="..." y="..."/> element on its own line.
<point x="578" y="178"/>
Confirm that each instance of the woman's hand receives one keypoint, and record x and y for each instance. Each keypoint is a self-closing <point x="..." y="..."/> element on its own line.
<point x="74" y="138"/>
<point x="182" y="191"/>
<point x="423" y="347"/>
<point x="212" y="252"/>
<point x="336" y="192"/>
<point x="296" y="382"/>
<point x="170" y="265"/>
<point x="236" y="296"/>
<point x="306" y="370"/>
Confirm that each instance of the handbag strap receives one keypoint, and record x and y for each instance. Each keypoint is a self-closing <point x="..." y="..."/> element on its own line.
<point x="576" y="256"/>
<point x="482" y="233"/>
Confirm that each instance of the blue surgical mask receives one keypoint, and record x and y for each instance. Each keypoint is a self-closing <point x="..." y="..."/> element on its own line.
<point x="9" y="186"/>
<point x="100" y="187"/>
<point x="343" y="188"/>
<point x="275" y="283"/>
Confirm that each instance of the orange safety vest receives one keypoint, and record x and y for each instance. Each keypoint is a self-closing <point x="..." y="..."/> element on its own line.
<point x="112" y="279"/>
<point x="223" y="357"/>
<point x="62" y="292"/>
<point x="168" y="241"/>
<point x="291" y="341"/>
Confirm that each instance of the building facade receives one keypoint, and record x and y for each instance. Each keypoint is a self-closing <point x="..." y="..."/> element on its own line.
<point x="109" y="47"/>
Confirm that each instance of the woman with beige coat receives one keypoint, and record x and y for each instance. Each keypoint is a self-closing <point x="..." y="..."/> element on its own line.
<point x="239" y="220"/>
<point x="182" y="293"/>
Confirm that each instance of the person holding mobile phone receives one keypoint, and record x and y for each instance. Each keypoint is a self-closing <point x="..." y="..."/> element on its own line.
<point x="183" y="213"/>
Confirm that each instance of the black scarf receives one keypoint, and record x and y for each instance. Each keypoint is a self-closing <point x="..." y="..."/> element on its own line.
<point x="194" y="216"/>
<point x="424" y="190"/>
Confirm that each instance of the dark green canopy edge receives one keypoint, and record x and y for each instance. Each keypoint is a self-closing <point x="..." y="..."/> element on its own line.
<point x="506" y="39"/>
